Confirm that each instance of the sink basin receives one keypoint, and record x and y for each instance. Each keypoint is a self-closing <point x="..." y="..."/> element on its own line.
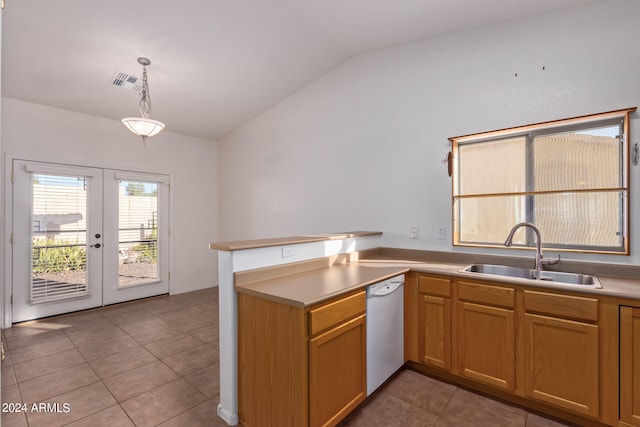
<point x="500" y="270"/>
<point x="570" y="278"/>
<point x="527" y="273"/>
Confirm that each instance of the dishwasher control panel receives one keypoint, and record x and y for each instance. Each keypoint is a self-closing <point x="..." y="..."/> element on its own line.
<point x="385" y="287"/>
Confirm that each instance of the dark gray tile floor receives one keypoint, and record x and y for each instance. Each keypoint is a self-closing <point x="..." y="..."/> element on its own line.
<point x="155" y="362"/>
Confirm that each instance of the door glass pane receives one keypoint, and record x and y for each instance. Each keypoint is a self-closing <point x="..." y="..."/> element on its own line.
<point x="58" y="237"/>
<point x="137" y="233"/>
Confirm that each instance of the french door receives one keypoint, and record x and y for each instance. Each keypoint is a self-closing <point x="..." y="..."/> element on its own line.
<point x="85" y="237"/>
<point x="136" y="247"/>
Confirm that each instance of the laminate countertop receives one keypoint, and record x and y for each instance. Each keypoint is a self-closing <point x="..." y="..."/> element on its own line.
<point x="240" y="245"/>
<point x="311" y="287"/>
<point x="619" y="287"/>
<point x="315" y="286"/>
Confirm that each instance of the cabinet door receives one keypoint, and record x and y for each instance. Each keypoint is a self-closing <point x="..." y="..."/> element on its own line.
<point x="435" y="331"/>
<point x="337" y="372"/>
<point x="630" y="365"/>
<point x="486" y="344"/>
<point x="272" y="363"/>
<point x="562" y="363"/>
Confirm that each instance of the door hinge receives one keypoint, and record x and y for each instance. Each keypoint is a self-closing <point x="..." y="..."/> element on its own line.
<point x="169" y="275"/>
<point x="12" y="238"/>
<point x="11" y="299"/>
<point x="13" y="176"/>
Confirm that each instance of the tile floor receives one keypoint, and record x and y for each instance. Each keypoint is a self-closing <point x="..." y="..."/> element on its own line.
<point x="155" y="363"/>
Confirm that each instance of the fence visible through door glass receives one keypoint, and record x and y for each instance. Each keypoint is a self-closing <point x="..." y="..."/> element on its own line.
<point x="137" y="233"/>
<point x="59" y="237"/>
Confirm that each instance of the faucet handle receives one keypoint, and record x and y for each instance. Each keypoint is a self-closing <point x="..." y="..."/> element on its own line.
<point x="550" y="261"/>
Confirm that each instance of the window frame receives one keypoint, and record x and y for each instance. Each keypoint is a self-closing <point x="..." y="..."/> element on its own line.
<point x="530" y="132"/>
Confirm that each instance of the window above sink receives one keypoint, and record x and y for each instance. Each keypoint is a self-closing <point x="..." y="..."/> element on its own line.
<point x="568" y="177"/>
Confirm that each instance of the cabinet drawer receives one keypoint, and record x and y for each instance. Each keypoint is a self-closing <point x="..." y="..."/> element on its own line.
<point x="486" y="294"/>
<point x="569" y="306"/>
<point x="434" y="286"/>
<point x="331" y="314"/>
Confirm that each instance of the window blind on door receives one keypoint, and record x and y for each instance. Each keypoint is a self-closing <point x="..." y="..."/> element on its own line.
<point x="58" y="237"/>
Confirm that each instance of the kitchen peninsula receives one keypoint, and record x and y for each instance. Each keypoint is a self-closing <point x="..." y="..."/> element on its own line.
<point x="254" y="260"/>
<point x="445" y="310"/>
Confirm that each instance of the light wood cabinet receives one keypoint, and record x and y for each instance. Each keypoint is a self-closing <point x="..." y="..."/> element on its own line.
<point x="297" y="366"/>
<point x="337" y="372"/>
<point x="630" y="366"/>
<point x="434" y="324"/>
<point x="272" y="363"/>
<point x="486" y="334"/>
<point x="547" y="347"/>
<point x="562" y="363"/>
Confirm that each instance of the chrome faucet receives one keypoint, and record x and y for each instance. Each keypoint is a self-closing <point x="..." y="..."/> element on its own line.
<point x="508" y="242"/>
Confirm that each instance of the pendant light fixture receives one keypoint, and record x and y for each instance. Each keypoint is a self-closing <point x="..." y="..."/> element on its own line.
<point x="144" y="126"/>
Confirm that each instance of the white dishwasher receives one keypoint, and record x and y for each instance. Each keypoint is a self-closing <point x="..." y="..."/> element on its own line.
<point x="385" y="330"/>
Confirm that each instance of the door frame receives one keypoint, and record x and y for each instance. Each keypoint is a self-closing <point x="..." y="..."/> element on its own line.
<point x="7" y="320"/>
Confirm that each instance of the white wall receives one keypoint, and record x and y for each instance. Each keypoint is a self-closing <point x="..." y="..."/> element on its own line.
<point x="361" y="147"/>
<point x="36" y="132"/>
<point x="2" y="233"/>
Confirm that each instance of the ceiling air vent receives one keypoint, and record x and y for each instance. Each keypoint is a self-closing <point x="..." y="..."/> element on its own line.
<point x="126" y="81"/>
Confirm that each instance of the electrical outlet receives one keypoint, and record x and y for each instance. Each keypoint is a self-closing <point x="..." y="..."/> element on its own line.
<point x="442" y="233"/>
<point x="287" y="251"/>
<point x="414" y="232"/>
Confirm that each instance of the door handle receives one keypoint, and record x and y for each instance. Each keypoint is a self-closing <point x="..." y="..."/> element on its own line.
<point x="97" y="245"/>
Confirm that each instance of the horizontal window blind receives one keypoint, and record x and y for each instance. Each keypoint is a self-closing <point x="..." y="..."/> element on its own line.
<point x="58" y="237"/>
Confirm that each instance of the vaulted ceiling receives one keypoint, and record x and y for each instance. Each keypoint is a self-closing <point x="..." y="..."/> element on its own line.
<point x="215" y="64"/>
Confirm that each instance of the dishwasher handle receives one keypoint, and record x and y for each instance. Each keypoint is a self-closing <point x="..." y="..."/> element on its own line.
<point x="385" y="288"/>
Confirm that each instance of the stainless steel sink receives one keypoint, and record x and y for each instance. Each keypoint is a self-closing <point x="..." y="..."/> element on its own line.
<point x="570" y="278"/>
<point x="532" y="274"/>
<point x="500" y="270"/>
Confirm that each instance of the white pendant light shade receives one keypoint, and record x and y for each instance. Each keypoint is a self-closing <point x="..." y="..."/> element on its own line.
<point x="143" y="127"/>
